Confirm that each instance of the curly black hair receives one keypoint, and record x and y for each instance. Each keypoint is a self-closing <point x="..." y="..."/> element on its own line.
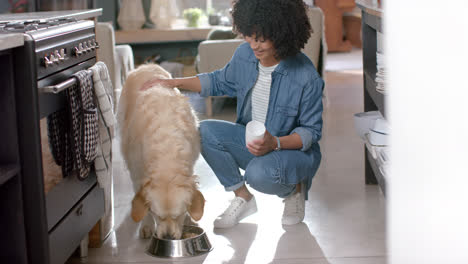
<point x="284" y="22"/>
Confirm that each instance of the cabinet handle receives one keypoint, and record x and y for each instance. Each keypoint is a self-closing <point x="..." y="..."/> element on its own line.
<point x="79" y="210"/>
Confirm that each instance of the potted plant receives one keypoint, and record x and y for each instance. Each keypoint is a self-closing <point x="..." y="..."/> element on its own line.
<point x="192" y="15"/>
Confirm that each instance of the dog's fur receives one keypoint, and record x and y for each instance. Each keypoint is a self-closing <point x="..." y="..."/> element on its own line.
<point x="160" y="143"/>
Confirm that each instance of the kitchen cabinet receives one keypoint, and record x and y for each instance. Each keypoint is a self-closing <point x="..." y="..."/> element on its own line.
<point x="373" y="100"/>
<point x="12" y="228"/>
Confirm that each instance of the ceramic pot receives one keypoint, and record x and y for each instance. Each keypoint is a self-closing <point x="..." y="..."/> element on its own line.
<point x="214" y="19"/>
<point x="163" y="13"/>
<point x="131" y="15"/>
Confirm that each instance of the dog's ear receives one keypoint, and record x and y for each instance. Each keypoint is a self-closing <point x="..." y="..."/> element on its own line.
<point x="198" y="204"/>
<point x="139" y="206"/>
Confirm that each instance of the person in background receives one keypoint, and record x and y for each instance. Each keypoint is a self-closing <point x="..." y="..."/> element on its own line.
<point x="277" y="85"/>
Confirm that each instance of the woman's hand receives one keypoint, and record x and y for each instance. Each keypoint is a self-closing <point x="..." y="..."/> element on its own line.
<point x="170" y="83"/>
<point x="262" y="146"/>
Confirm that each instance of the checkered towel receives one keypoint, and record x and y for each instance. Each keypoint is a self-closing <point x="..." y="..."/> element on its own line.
<point x="84" y="122"/>
<point x="73" y="131"/>
<point x="103" y="91"/>
<point x="59" y="139"/>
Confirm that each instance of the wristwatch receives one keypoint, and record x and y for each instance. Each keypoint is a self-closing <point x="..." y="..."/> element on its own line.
<point x="278" y="146"/>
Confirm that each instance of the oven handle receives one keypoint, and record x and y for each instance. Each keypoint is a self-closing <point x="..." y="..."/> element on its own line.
<point x="61" y="86"/>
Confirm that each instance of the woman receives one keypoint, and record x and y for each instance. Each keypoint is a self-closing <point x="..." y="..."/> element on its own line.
<point x="277" y="85"/>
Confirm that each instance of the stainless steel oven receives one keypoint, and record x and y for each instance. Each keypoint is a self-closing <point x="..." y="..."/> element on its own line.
<point x="55" y="47"/>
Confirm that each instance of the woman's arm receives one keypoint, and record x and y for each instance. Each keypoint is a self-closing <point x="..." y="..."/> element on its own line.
<point x="292" y="141"/>
<point x="310" y="115"/>
<point x="188" y="83"/>
<point x="302" y="137"/>
<point x="216" y="83"/>
<point x="269" y="143"/>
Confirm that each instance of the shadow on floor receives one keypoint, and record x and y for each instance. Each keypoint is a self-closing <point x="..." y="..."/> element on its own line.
<point x="299" y="232"/>
<point x="240" y="239"/>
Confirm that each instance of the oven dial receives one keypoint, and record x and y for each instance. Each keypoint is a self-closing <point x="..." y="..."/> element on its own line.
<point x="95" y="44"/>
<point x="58" y="57"/>
<point x="53" y="59"/>
<point x="90" y="45"/>
<point x="81" y="49"/>
<point x="47" y="62"/>
<point x="86" y="47"/>
<point x="76" y="51"/>
<point x="62" y="54"/>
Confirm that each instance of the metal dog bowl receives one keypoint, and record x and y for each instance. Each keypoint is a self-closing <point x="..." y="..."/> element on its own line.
<point x="189" y="247"/>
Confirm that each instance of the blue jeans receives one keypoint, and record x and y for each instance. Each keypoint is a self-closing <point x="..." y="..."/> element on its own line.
<point x="276" y="173"/>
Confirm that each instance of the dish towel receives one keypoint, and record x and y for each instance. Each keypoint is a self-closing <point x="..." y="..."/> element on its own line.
<point x="84" y="123"/>
<point x="60" y="140"/>
<point x="73" y="131"/>
<point x="103" y="91"/>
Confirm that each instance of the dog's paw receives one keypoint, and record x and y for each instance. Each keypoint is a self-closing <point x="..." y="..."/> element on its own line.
<point x="146" y="231"/>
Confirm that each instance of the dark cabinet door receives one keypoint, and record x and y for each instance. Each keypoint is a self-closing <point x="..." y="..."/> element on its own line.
<point x="12" y="228"/>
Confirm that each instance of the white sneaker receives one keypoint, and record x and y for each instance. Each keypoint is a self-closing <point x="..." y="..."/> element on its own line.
<point x="294" y="208"/>
<point x="237" y="210"/>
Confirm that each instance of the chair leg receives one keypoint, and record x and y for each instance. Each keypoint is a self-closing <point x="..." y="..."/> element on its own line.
<point x="84" y="246"/>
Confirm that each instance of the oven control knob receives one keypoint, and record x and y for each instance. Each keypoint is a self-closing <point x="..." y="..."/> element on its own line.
<point x="47" y="62"/>
<point x="76" y="51"/>
<point x="87" y="46"/>
<point x="81" y="49"/>
<point x="53" y="59"/>
<point x="62" y="54"/>
<point x="57" y="56"/>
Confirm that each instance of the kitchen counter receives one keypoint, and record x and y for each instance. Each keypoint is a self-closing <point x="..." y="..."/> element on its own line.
<point x="370" y="6"/>
<point x="77" y="14"/>
<point x="164" y="35"/>
<point x="9" y="41"/>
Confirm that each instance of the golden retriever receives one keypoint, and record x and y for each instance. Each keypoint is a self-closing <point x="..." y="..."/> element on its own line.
<point x="160" y="143"/>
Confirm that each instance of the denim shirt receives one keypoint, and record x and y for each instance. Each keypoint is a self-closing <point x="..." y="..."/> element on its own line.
<point x="295" y="104"/>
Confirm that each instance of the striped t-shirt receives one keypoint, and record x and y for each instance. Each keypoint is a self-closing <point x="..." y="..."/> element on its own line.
<point x="261" y="93"/>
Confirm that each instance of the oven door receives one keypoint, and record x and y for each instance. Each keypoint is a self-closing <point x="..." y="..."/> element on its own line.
<point x="51" y="96"/>
<point x="73" y="206"/>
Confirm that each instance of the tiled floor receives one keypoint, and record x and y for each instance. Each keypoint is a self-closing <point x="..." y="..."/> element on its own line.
<point x="344" y="222"/>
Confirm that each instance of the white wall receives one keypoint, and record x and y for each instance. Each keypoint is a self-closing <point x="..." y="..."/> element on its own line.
<point x="427" y="53"/>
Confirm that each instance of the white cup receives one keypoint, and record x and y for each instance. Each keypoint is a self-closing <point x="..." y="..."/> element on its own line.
<point x="254" y="130"/>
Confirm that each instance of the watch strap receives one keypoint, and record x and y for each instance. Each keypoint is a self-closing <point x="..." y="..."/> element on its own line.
<point x="278" y="144"/>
